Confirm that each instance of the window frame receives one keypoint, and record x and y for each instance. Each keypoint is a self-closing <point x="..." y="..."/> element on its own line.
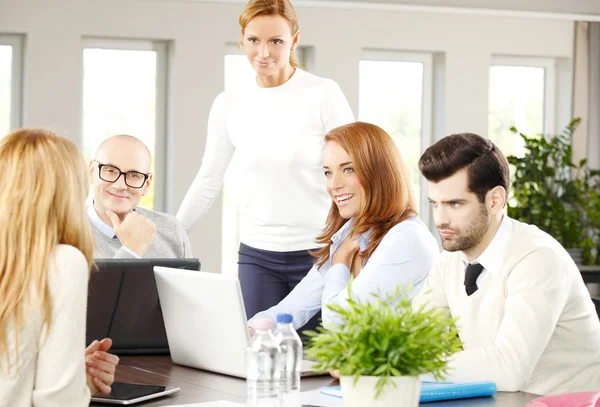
<point x="550" y="82"/>
<point x="16" y="42"/>
<point x="427" y="59"/>
<point x="161" y="123"/>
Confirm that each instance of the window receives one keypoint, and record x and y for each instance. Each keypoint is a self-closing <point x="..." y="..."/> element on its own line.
<point x="395" y="93"/>
<point x="239" y="72"/>
<point x="124" y="92"/>
<point x="10" y="83"/>
<point x="522" y="94"/>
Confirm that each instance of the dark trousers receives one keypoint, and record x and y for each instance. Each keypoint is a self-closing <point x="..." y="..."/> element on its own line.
<point x="268" y="277"/>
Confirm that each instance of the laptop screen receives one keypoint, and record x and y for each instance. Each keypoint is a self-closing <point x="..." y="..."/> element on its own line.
<point x="123" y="304"/>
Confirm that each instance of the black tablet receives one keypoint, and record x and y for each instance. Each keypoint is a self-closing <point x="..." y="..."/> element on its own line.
<point x="129" y="393"/>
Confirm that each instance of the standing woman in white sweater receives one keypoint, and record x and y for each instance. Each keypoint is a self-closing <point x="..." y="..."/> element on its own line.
<point x="45" y="257"/>
<point x="274" y="129"/>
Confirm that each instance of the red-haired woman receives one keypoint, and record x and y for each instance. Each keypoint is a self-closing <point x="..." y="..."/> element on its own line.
<point x="274" y="131"/>
<point x="373" y="234"/>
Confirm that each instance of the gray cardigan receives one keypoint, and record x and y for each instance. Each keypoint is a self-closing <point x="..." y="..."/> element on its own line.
<point x="170" y="241"/>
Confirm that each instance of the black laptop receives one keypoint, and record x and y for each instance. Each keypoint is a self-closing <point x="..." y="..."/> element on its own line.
<point x="123" y="304"/>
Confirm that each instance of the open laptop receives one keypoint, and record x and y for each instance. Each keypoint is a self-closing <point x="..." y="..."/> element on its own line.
<point x="123" y="304"/>
<point x="206" y="321"/>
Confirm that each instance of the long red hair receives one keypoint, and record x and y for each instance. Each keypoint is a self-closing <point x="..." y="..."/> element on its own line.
<point x="384" y="178"/>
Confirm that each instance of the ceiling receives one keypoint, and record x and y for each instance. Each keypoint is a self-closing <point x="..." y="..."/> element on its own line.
<point x="572" y="7"/>
<point x="552" y="6"/>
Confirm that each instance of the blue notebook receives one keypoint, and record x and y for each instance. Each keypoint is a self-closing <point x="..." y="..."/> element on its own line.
<point x="432" y="391"/>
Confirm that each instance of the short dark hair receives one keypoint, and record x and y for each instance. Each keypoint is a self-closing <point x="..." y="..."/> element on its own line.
<point x="486" y="166"/>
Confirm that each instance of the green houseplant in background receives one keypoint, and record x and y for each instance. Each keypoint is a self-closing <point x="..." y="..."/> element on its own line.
<point x="588" y="183"/>
<point x="555" y="194"/>
<point x="381" y="347"/>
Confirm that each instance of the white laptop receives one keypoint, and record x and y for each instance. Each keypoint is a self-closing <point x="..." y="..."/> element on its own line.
<point x="206" y="321"/>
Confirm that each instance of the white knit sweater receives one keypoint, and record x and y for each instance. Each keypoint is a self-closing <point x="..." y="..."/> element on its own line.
<point x="51" y="370"/>
<point x="532" y="327"/>
<point x="274" y="139"/>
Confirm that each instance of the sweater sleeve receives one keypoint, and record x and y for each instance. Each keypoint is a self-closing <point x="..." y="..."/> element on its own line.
<point x="60" y="378"/>
<point x="209" y="180"/>
<point x="536" y="293"/>
<point x="187" y="244"/>
<point x="336" y="111"/>
<point x="433" y="294"/>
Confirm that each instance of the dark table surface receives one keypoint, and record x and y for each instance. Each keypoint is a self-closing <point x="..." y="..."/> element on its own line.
<point x="201" y="386"/>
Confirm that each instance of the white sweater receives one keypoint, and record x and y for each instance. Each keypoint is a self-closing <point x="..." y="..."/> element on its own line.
<point x="51" y="371"/>
<point x="275" y="137"/>
<point x="532" y="327"/>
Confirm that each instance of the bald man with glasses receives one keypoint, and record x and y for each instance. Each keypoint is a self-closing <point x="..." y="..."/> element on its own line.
<point x="120" y="176"/>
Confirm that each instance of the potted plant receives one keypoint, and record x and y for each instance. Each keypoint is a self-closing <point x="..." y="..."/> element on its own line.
<point x="588" y="183"/>
<point x="550" y="191"/>
<point x="543" y="192"/>
<point x="381" y="347"/>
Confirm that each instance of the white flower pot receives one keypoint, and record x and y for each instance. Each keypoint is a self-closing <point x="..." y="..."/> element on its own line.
<point x="404" y="394"/>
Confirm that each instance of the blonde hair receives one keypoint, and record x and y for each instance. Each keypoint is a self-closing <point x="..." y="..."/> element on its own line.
<point x="42" y="204"/>
<point x="281" y="8"/>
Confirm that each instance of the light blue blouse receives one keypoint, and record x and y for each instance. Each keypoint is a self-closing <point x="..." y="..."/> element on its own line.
<point x="404" y="257"/>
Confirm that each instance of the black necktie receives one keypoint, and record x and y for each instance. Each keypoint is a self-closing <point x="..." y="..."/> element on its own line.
<point x="473" y="271"/>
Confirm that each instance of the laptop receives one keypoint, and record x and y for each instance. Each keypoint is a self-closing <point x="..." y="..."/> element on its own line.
<point x="123" y="304"/>
<point x="206" y="321"/>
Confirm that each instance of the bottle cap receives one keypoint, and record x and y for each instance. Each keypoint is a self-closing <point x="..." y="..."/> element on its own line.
<point x="284" y="319"/>
<point x="262" y="324"/>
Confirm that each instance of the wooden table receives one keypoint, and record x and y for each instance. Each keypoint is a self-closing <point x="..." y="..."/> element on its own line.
<point x="200" y="386"/>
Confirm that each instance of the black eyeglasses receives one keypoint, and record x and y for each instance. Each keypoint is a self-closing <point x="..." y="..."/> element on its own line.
<point x="110" y="173"/>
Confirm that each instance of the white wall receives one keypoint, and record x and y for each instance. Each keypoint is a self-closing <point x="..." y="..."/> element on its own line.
<point x="550" y="6"/>
<point x="199" y="31"/>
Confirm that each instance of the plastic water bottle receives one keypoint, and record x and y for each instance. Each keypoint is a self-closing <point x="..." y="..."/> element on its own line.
<point x="291" y="350"/>
<point x="263" y="364"/>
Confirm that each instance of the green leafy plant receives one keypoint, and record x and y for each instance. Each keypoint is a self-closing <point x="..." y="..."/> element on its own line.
<point x="552" y="192"/>
<point x="588" y="183"/>
<point x="543" y="191"/>
<point x="385" y="337"/>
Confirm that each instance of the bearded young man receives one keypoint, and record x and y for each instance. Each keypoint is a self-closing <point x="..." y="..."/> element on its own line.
<point x="525" y="317"/>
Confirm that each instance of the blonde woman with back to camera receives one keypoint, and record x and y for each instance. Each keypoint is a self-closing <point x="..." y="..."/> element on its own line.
<point x="45" y="258"/>
<point x="274" y="129"/>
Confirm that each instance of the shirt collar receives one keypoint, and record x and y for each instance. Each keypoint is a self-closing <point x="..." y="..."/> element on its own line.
<point x="99" y="223"/>
<point x="339" y="236"/>
<point x="492" y="257"/>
